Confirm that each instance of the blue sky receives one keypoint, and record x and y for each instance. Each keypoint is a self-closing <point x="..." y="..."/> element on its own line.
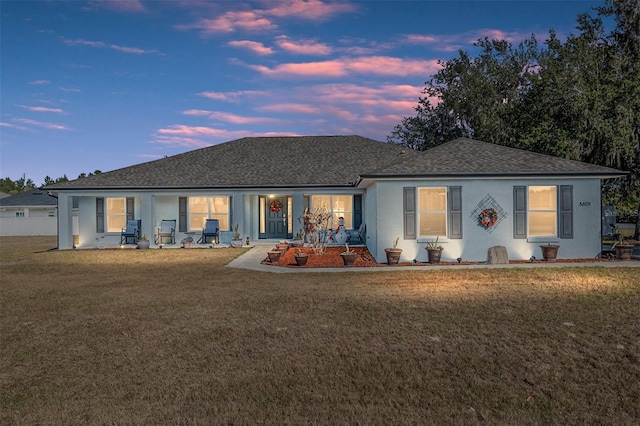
<point x="108" y="84"/>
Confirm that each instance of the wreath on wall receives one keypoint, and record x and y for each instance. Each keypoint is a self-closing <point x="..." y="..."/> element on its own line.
<point x="488" y="218"/>
<point x="275" y="206"/>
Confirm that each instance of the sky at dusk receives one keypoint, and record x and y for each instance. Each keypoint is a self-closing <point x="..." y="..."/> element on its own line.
<point x="108" y="84"/>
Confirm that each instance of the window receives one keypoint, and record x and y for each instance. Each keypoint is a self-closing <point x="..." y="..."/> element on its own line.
<point x="203" y="208"/>
<point x="116" y="214"/>
<point x="542" y="211"/>
<point x="432" y="212"/>
<point x="338" y="206"/>
<point x="19" y="214"/>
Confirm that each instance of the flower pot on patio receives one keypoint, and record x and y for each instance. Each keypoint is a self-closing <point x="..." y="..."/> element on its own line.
<point x="143" y="244"/>
<point x="393" y="256"/>
<point x="434" y="254"/>
<point x="348" y="258"/>
<point x="623" y="251"/>
<point x="549" y="252"/>
<point x="274" y="256"/>
<point x="236" y="242"/>
<point x="301" y="258"/>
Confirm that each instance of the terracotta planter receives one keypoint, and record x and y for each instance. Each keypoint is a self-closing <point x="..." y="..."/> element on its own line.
<point x="301" y="259"/>
<point x="393" y="256"/>
<point x="274" y="256"/>
<point x="143" y="245"/>
<point x="348" y="258"/>
<point x="549" y="252"/>
<point x="624" y="251"/>
<point x="434" y="255"/>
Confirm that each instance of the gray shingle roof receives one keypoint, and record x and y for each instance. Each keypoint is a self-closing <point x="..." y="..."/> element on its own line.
<point x="32" y="198"/>
<point x="308" y="161"/>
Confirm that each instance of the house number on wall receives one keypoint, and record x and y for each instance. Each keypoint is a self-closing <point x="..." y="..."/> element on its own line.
<point x="584" y="203"/>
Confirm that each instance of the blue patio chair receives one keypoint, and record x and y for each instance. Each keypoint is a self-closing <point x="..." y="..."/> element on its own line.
<point x="357" y="235"/>
<point x="167" y="230"/>
<point x="211" y="230"/>
<point x="131" y="232"/>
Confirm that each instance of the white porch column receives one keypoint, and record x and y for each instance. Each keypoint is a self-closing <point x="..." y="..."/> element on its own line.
<point x="65" y="221"/>
<point x="147" y="215"/>
<point x="298" y="210"/>
<point x="238" y="215"/>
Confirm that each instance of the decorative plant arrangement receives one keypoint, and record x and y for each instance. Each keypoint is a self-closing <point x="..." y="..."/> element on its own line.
<point x="393" y="254"/>
<point x="236" y="241"/>
<point x="315" y="223"/>
<point x="549" y="252"/>
<point x="623" y="247"/>
<point x="434" y="250"/>
<point x="301" y="258"/>
<point x="488" y="218"/>
<point x="348" y="257"/>
<point x="275" y="206"/>
<point x="143" y="242"/>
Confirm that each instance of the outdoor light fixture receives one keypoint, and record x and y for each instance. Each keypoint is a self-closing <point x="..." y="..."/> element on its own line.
<point x="532" y="258"/>
<point x="459" y="260"/>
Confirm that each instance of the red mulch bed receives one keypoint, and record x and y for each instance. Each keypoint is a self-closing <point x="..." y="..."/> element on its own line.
<point x="332" y="259"/>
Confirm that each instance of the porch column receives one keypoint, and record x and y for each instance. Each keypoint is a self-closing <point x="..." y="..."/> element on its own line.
<point x="147" y="215"/>
<point x="238" y="214"/>
<point x="65" y="221"/>
<point x="298" y="210"/>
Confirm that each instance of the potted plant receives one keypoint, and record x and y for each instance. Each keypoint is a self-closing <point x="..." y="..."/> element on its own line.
<point x="549" y="252"/>
<point x="274" y="255"/>
<point x="143" y="242"/>
<point x="393" y="254"/>
<point x="298" y="240"/>
<point x="624" y="248"/>
<point x="348" y="257"/>
<point x="434" y="251"/>
<point x="300" y="257"/>
<point x="236" y="241"/>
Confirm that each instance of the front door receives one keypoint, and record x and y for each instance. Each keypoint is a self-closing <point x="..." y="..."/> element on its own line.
<point x="277" y="217"/>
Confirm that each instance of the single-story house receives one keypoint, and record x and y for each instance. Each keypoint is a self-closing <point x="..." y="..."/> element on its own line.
<point x="31" y="212"/>
<point x="468" y="194"/>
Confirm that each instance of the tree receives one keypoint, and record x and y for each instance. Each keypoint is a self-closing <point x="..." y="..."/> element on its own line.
<point x="579" y="99"/>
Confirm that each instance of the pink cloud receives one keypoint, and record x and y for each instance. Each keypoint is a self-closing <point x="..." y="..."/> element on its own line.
<point x="303" y="47"/>
<point x="230" y="118"/>
<point x="421" y="38"/>
<point x="39" y="82"/>
<point x="309" y="9"/>
<point x="253" y="46"/>
<point x="40" y="109"/>
<point x="291" y="108"/>
<point x="13" y="126"/>
<point x="52" y="126"/>
<point x="231" y="21"/>
<point x="231" y="96"/>
<point x="373" y="65"/>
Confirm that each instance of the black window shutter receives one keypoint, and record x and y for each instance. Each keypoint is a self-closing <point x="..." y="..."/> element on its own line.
<point x="519" y="212"/>
<point x="565" y="218"/>
<point x="182" y="214"/>
<point x="455" y="212"/>
<point x="357" y="211"/>
<point x="409" y="204"/>
<point x="99" y="215"/>
<point x="130" y="215"/>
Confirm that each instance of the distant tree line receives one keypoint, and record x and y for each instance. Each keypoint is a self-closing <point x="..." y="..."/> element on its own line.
<point x="577" y="99"/>
<point x="12" y="187"/>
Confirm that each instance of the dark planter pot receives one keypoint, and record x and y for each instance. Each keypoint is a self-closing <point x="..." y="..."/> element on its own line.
<point x="348" y="258"/>
<point x="274" y="256"/>
<point x="393" y="256"/>
<point x="143" y="245"/>
<point x="434" y="255"/>
<point x="297" y="242"/>
<point x="624" y="251"/>
<point x="301" y="259"/>
<point x="549" y="252"/>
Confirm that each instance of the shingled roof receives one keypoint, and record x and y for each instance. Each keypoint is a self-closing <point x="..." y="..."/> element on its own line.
<point x="326" y="161"/>
<point x="32" y="198"/>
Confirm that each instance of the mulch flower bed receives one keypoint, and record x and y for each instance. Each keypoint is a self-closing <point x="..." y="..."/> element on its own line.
<point x="332" y="259"/>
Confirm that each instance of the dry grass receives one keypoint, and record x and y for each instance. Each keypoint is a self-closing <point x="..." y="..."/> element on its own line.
<point x="174" y="337"/>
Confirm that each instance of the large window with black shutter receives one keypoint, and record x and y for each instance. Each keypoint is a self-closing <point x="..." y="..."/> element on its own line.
<point x="542" y="211"/>
<point x="112" y="213"/>
<point x="432" y="212"/>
